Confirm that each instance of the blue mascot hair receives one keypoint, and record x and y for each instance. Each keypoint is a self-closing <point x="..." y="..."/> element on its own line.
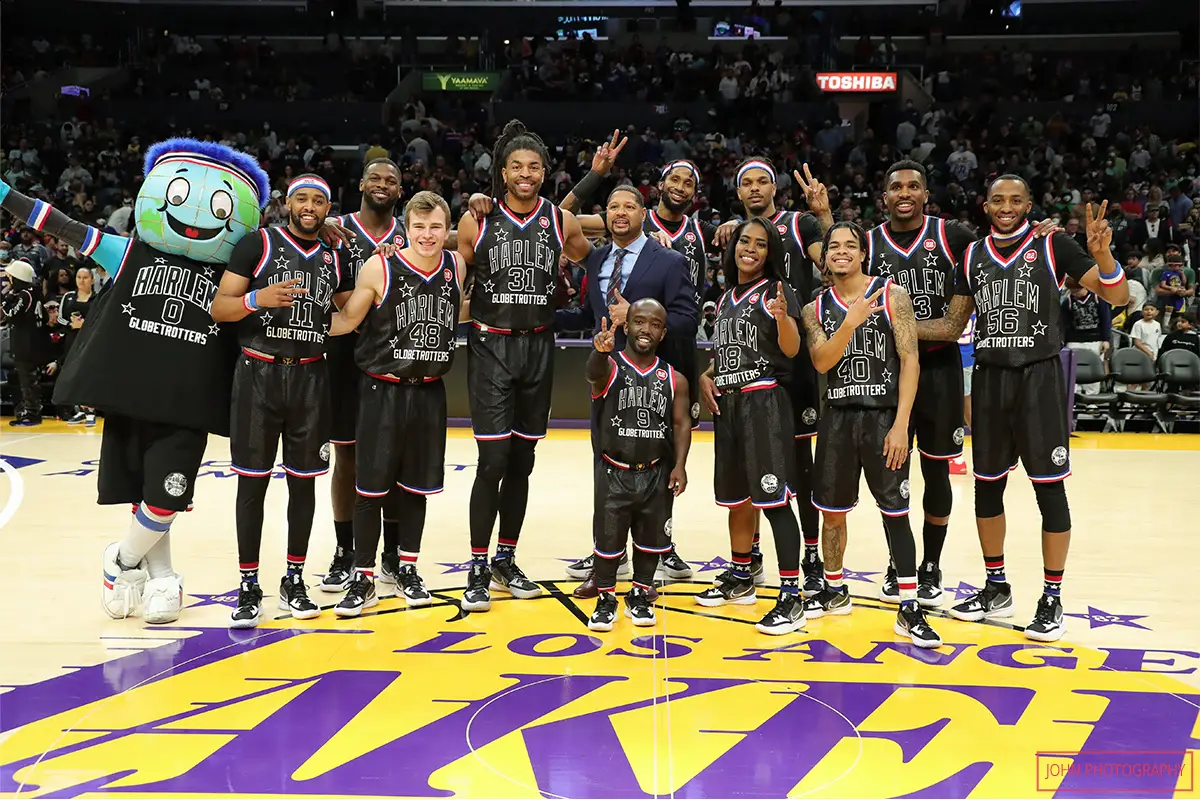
<point x="218" y="152"/>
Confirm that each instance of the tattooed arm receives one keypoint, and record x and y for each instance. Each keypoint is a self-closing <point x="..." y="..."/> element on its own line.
<point x="951" y="326"/>
<point x="904" y="329"/>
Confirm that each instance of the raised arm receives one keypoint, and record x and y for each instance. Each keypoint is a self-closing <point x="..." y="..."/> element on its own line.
<point x="575" y="244"/>
<point x="826" y="351"/>
<point x="1106" y="278"/>
<point x="367" y="290"/>
<point x="601" y="369"/>
<point x="106" y="249"/>
<point x="602" y="162"/>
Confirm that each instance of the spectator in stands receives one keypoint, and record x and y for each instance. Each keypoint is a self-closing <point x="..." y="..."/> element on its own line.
<point x="1152" y="228"/>
<point x="57" y="282"/>
<point x="1087" y="322"/>
<point x="1185" y="336"/>
<point x="21" y="307"/>
<point x="1173" y="291"/>
<point x="31" y="250"/>
<point x="1180" y="204"/>
<point x="1147" y="333"/>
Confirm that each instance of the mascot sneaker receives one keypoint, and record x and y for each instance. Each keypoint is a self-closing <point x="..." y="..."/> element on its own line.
<point x="162" y="600"/>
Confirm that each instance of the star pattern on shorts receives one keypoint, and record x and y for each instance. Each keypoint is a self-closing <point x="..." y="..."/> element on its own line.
<point x="1039" y="328"/>
<point x="931" y="260"/>
<point x="1100" y="619"/>
<point x="127" y="308"/>
<point x="281" y="262"/>
<point x="214" y="329"/>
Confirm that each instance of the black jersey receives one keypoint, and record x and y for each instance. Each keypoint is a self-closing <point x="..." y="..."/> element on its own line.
<point x="868" y="373"/>
<point x="1016" y="289"/>
<point x="688" y="238"/>
<point x="799" y="229"/>
<point x="516" y="267"/>
<point x="746" y="337"/>
<point x="150" y="349"/>
<point x="411" y="332"/>
<point x="272" y="256"/>
<point x="356" y="251"/>
<point x="637" y="419"/>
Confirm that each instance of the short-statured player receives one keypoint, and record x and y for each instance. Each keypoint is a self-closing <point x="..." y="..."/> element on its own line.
<point x="920" y="253"/>
<point x="374" y="224"/>
<point x="863" y="336"/>
<point x="1012" y="281"/>
<point x="280" y="384"/>
<point x="514" y="252"/>
<point x="645" y="433"/>
<point x="756" y="338"/>
<point x="406" y="307"/>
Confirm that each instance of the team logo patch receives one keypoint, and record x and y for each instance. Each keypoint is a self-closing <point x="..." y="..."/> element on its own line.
<point x="328" y="258"/>
<point x="769" y="483"/>
<point x="545" y="223"/>
<point x="695" y="411"/>
<point x="399" y="240"/>
<point x="930" y="245"/>
<point x="959" y="435"/>
<point x="667" y="529"/>
<point x="324" y="452"/>
<point x="1059" y="456"/>
<point x="904" y="488"/>
<point x="691" y="237"/>
<point x="1030" y="256"/>
<point x="754" y="298"/>
<point x="661" y="374"/>
<point x="782" y="228"/>
<point x="175" y="484"/>
<point x="447" y="274"/>
<point x="809" y="416"/>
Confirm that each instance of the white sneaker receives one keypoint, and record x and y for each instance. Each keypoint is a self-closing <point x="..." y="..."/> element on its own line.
<point x="162" y="600"/>
<point x="122" y="592"/>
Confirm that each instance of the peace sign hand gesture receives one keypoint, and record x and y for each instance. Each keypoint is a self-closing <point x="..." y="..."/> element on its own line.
<point x="1099" y="234"/>
<point x="864" y="307"/>
<point x="777" y="305"/>
<point x="606" y="154"/>
<point x="606" y="339"/>
<point x="815" y="193"/>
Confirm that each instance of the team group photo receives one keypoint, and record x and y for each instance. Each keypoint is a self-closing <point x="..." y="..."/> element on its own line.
<point x="551" y="408"/>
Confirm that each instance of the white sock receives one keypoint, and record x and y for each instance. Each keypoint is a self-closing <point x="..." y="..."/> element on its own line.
<point x="144" y="532"/>
<point x="158" y="558"/>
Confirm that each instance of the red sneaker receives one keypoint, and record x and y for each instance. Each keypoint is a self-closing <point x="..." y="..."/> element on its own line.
<point x="958" y="466"/>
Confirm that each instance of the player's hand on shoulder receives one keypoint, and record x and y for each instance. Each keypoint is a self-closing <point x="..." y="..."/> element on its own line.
<point x="865" y="306"/>
<point x="480" y="205"/>
<point x="279" y="295"/>
<point x="387" y="250"/>
<point x="725" y="232"/>
<point x="1046" y="228"/>
<point x="606" y="339"/>
<point x="678" y="481"/>
<point x="661" y="238"/>
<point x="334" y="233"/>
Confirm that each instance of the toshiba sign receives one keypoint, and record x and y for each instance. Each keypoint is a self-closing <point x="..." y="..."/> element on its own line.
<point x="856" y="81"/>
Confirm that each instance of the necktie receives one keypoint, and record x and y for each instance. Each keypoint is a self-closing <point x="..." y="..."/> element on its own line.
<point x="614" y="278"/>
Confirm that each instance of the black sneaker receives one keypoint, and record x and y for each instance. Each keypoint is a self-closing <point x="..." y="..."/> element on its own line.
<point x="412" y="587"/>
<point x="341" y="571"/>
<point x="638" y="608"/>
<point x="889" y="592"/>
<point x="361" y="595"/>
<point x="1048" y="624"/>
<point x="828" y="602"/>
<point x="584" y="566"/>
<point x="758" y="573"/>
<point x="389" y="568"/>
<point x="76" y="419"/>
<point x="786" y="617"/>
<point x="508" y="577"/>
<point x="24" y="422"/>
<point x="814" y="575"/>
<point x="477" y="597"/>
<point x="249" y="606"/>
<point x="735" y="591"/>
<point x="605" y="614"/>
<point x="672" y="567"/>
<point x="293" y="596"/>
<point x="994" y="601"/>
<point x="911" y="622"/>
<point x="929" y="585"/>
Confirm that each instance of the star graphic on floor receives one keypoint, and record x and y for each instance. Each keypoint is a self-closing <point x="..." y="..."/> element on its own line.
<point x="853" y="575"/>
<point x="1099" y="619"/>
<point x="962" y="591"/>
<point x="228" y="599"/>
<point x="713" y="564"/>
<point x="464" y="566"/>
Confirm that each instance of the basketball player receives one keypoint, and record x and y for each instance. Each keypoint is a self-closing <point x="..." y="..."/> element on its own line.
<point x="863" y="336"/>
<point x="410" y="303"/>
<point x="280" y="385"/>
<point x="756" y="338"/>
<point x="645" y="434"/>
<point x="510" y="368"/>
<point x="1018" y="396"/>
<point x="373" y="225"/>
<point x="802" y="234"/>
<point x="919" y="253"/>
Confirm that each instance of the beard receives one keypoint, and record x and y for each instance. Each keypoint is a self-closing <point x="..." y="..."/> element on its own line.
<point x="674" y="207"/>
<point x="384" y="208"/>
<point x="307" y="231"/>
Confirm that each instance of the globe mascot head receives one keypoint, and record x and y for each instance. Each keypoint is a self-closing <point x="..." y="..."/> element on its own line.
<point x="199" y="199"/>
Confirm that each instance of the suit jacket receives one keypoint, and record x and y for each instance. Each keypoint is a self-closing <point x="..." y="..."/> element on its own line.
<point x="659" y="273"/>
<point x="1139" y="233"/>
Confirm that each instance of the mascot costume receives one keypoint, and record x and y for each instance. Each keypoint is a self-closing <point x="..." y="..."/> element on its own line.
<point x="150" y="356"/>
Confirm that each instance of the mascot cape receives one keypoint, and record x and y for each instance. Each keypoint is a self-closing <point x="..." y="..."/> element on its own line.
<point x="150" y="350"/>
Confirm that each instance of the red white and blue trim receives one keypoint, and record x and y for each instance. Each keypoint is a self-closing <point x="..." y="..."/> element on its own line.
<point x="523" y="223"/>
<point x="979" y="476"/>
<point x="1050" y="478"/>
<point x="266" y="252"/>
<point x="307" y="254"/>
<point x="296" y="473"/>
<point x="415" y="490"/>
<point x="905" y="253"/>
<point x="91" y="240"/>
<point x="309" y="182"/>
<point x="833" y="509"/>
<point x="38" y="216"/>
<point x="756" y="164"/>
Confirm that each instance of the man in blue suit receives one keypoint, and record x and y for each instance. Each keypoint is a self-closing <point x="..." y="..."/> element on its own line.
<point x="632" y="267"/>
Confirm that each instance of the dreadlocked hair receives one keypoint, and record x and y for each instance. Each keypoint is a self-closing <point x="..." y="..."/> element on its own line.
<point x="514" y="137"/>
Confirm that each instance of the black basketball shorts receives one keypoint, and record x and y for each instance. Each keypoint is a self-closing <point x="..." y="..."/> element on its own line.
<point x="344" y="380"/>
<point x="631" y="499"/>
<point x="273" y="400"/>
<point x="937" y="414"/>
<point x="805" y="392"/>
<point x="510" y="378"/>
<point x="850" y="445"/>
<point x="754" y="451"/>
<point x="148" y="462"/>
<point x="1020" y="413"/>
<point x="401" y="437"/>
